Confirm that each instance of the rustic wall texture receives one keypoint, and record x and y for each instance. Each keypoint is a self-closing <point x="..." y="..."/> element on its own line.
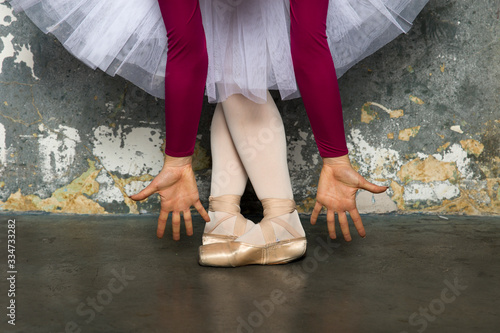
<point x="422" y="116"/>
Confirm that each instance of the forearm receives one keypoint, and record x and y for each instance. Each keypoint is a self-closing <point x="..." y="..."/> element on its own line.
<point x="185" y="74"/>
<point x="336" y="161"/>
<point x="172" y="161"/>
<point x="316" y="77"/>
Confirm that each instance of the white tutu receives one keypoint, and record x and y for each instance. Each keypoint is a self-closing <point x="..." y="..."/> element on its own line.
<point x="248" y="40"/>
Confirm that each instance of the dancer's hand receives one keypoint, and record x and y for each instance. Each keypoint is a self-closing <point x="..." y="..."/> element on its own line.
<point x="337" y="187"/>
<point x="177" y="188"/>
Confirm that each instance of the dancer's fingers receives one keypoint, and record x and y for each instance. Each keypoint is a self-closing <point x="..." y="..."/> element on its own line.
<point x="199" y="207"/>
<point x="150" y="189"/>
<point x="366" y="185"/>
<point x="330" y="222"/>
<point x="162" y="222"/>
<point x="356" y="219"/>
<point x="176" y="225"/>
<point x="344" y="226"/>
<point x="188" y="221"/>
<point x="315" y="212"/>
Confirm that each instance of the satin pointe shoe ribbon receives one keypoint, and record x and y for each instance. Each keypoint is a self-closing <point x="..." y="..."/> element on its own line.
<point x="235" y="253"/>
<point x="228" y="204"/>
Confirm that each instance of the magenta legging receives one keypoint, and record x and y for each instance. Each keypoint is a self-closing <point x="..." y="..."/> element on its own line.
<point x="185" y="74"/>
<point x="187" y="70"/>
<point x="315" y="75"/>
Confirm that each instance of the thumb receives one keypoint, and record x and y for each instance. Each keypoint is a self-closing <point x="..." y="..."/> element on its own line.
<point x="150" y="189"/>
<point x="366" y="185"/>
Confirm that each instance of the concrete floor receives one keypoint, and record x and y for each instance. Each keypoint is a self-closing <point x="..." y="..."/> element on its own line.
<point x="111" y="274"/>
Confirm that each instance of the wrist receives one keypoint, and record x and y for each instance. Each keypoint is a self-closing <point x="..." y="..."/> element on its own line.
<point x="172" y="161"/>
<point x="339" y="160"/>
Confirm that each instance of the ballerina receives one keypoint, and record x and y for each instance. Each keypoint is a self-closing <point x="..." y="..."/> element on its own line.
<point x="316" y="79"/>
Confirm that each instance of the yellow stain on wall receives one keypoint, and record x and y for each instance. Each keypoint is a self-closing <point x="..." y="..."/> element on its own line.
<point x="407" y="133"/>
<point x="472" y="146"/>
<point x="307" y="205"/>
<point x="416" y="100"/>
<point x="120" y="183"/>
<point x="396" y="113"/>
<point x="367" y="114"/>
<point x="468" y="204"/>
<point x="443" y="147"/>
<point x="428" y="170"/>
<point x="68" y="199"/>
<point x="398" y="195"/>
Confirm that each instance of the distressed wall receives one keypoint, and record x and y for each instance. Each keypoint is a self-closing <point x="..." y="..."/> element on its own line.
<point x="422" y="116"/>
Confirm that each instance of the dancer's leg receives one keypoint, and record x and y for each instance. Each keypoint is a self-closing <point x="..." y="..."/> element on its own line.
<point x="185" y="75"/>
<point x="228" y="177"/>
<point x="259" y="137"/>
<point x="228" y="174"/>
<point x="315" y="74"/>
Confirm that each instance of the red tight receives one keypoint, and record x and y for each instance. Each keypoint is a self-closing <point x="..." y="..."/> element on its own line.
<point x="187" y="70"/>
<point x="185" y="75"/>
<point x="315" y="75"/>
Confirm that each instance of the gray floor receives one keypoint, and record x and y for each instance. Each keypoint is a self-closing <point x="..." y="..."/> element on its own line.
<point x="111" y="274"/>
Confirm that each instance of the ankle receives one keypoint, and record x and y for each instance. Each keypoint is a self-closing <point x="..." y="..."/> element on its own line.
<point x="293" y="220"/>
<point x="229" y="203"/>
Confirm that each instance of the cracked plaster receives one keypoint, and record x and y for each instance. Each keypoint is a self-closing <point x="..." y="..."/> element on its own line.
<point x="418" y="120"/>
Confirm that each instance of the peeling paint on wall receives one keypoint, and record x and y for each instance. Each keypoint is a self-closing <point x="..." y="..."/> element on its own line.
<point x="433" y="192"/>
<point x="367" y="114"/>
<point x="457" y="129"/>
<point x="132" y="151"/>
<point x="416" y="100"/>
<point x="428" y="170"/>
<point x="57" y="151"/>
<point x="381" y="163"/>
<point x="408" y="133"/>
<point x="108" y="192"/>
<point x="22" y="53"/>
<point x="8" y="49"/>
<point x="456" y="154"/>
<point x="6" y="15"/>
<point x="432" y="138"/>
<point x="72" y="198"/>
<point x="472" y="146"/>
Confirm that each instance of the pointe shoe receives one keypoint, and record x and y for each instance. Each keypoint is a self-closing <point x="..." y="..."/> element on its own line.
<point x="228" y="204"/>
<point x="235" y="253"/>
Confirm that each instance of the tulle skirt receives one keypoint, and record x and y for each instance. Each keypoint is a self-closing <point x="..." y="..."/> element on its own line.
<point x="247" y="40"/>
